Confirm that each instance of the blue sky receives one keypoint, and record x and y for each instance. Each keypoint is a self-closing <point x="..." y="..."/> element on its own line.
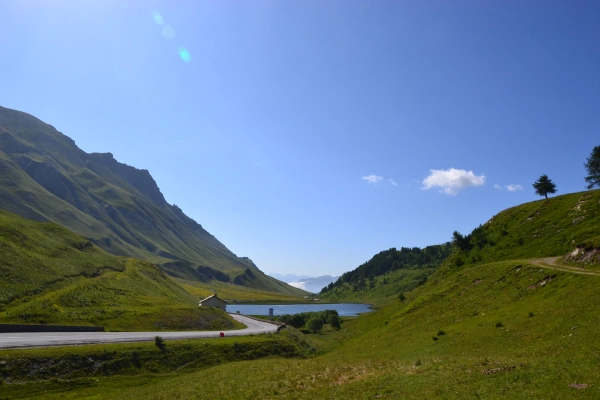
<point x="310" y="135"/>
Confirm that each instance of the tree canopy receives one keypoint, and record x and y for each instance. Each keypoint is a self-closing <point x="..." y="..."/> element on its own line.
<point x="593" y="168"/>
<point x="301" y="319"/>
<point x="391" y="260"/>
<point x="543" y="186"/>
<point x="315" y="324"/>
<point x="460" y="241"/>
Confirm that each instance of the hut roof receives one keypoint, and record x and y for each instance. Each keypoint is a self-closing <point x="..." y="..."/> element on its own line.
<point x="210" y="297"/>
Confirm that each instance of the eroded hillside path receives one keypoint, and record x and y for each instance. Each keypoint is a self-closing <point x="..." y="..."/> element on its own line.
<point x="551" y="263"/>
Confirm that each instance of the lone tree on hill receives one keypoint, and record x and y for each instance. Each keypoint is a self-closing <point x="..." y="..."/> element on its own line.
<point x="544" y="185"/>
<point x="593" y="168"/>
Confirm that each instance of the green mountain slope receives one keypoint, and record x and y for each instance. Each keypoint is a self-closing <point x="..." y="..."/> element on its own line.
<point x="542" y="228"/>
<point x="53" y="276"/>
<point x="46" y="177"/>
<point x="499" y="324"/>
<point x="503" y="323"/>
<point x="493" y="321"/>
<point x="388" y="274"/>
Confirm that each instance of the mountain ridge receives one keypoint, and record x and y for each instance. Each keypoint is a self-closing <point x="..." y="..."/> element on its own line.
<point x="46" y="177"/>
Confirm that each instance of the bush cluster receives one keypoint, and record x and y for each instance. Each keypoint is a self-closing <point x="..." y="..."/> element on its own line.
<point x="312" y="320"/>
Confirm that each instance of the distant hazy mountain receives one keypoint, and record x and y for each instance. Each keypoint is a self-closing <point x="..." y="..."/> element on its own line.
<point x="287" y="277"/>
<point x="44" y="176"/>
<point x="308" y="283"/>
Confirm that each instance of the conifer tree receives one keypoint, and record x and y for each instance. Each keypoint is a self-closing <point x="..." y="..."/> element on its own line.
<point x="593" y="168"/>
<point x="544" y="185"/>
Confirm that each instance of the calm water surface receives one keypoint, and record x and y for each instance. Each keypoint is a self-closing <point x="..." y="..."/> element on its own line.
<point x="343" y="309"/>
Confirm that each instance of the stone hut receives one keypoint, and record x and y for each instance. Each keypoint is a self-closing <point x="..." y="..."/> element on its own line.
<point x="213" y="301"/>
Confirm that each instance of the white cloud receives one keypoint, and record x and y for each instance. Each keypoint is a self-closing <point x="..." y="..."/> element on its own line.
<point x="299" y="285"/>
<point x="372" y="178"/>
<point x="451" y="181"/>
<point x="393" y="182"/>
<point x="510" y="188"/>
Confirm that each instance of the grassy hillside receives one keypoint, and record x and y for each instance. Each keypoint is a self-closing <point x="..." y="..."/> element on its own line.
<point x="229" y="291"/>
<point x="543" y="228"/>
<point x="499" y="324"/>
<point x="46" y="177"/>
<point x="496" y="337"/>
<point x="387" y="274"/>
<point x="52" y="372"/>
<point x="51" y="276"/>
<point x="381" y="289"/>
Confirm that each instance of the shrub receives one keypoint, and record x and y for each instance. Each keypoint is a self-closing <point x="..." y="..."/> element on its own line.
<point x="421" y="279"/>
<point x="435" y="338"/>
<point x="499" y="324"/>
<point x="295" y="320"/>
<point x="135" y="359"/>
<point x="315" y="324"/>
<point x="334" y="321"/>
<point x="531" y="314"/>
<point x="418" y="363"/>
<point x="327" y="314"/>
<point x="441" y="333"/>
<point x="160" y="343"/>
<point x="401" y="297"/>
<point x="299" y="320"/>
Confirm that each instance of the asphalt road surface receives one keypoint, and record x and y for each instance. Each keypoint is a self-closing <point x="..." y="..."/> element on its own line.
<point x="37" y="339"/>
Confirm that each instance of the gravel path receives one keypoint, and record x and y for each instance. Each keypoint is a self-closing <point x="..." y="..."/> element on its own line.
<point x="551" y="263"/>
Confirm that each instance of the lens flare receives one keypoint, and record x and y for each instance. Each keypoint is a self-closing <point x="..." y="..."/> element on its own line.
<point x="184" y="54"/>
<point x="168" y="32"/>
<point x="157" y="18"/>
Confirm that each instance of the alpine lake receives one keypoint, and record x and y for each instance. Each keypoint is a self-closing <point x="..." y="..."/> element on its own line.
<point x="343" y="309"/>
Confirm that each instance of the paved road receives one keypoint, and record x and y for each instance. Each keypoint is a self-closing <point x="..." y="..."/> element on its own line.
<point x="11" y="340"/>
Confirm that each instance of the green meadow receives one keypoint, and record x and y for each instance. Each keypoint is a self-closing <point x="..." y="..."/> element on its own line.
<point x="488" y="332"/>
<point x="53" y="276"/>
<point x="492" y="321"/>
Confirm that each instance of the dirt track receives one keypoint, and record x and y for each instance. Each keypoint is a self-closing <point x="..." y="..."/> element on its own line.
<point x="550" y="263"/>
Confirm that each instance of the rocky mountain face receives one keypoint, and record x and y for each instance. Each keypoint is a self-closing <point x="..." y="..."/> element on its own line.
<point x="44" y="176"/>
